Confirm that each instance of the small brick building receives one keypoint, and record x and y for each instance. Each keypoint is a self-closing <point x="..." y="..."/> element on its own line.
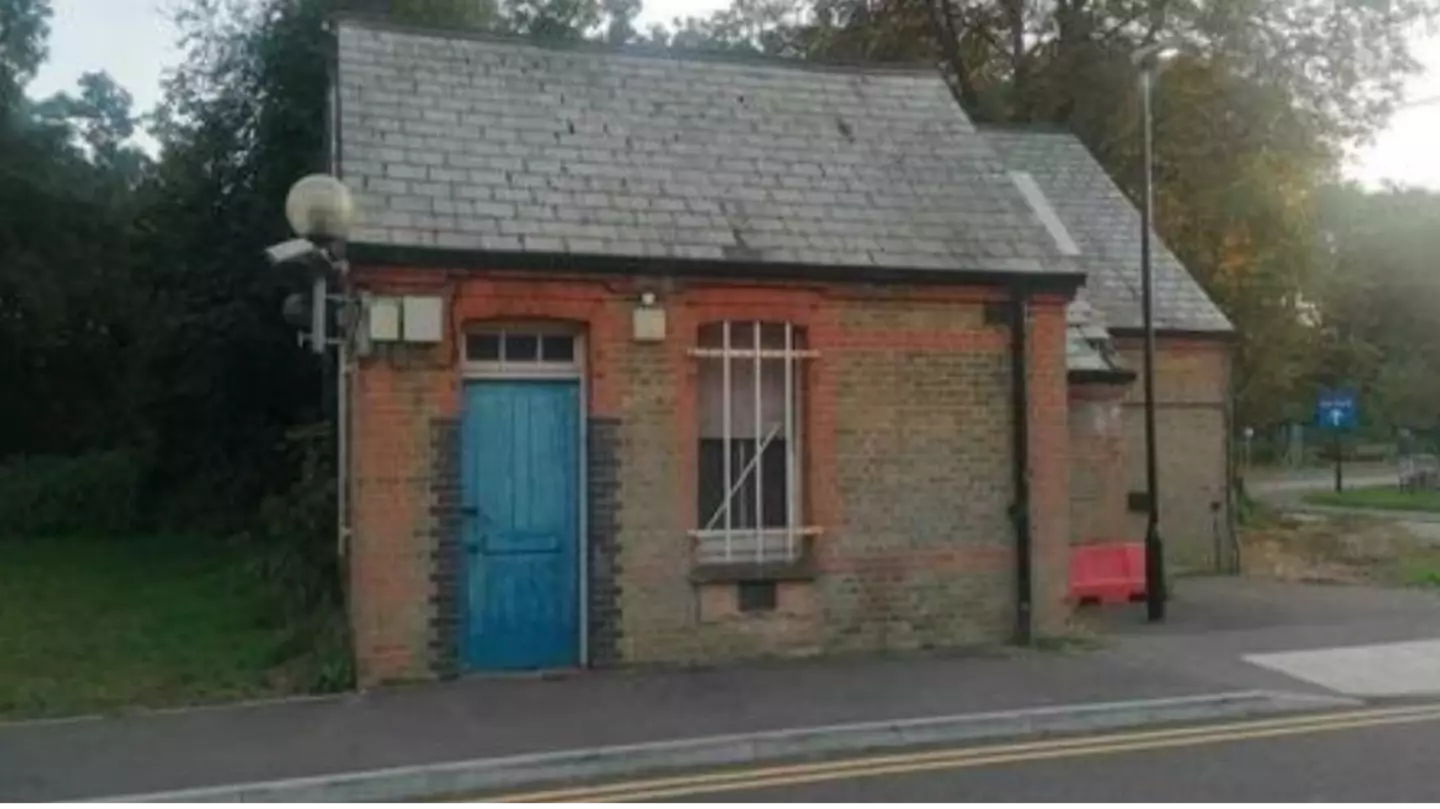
<point x="677" y="360"/>
<point x="1192" y="363"/>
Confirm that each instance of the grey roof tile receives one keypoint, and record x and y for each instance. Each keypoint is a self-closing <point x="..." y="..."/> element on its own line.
<point x="750" y="161"/>
<point x="1088" y="346"/>
<point x="1106" y="228"/>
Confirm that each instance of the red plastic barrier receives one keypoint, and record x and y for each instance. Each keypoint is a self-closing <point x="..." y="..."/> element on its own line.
<point x="1110" y="573"/>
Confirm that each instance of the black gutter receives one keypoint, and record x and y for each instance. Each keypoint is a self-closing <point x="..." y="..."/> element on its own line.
<point x="375" y="256"/>
<point x="333" y="136"/>
<point x="1232" y="484"/>
<point x="1117" y="376"/>
<point x="1020" y="466"/>
<point x="1218" y="335"/>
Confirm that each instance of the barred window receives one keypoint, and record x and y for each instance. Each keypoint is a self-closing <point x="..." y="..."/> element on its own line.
<point x="750" y="400"/>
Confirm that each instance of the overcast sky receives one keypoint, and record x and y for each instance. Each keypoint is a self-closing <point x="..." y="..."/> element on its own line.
<point x="133" y="41"/>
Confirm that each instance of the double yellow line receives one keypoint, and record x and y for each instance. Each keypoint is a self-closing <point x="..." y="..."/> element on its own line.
<point x="967" y="757"/>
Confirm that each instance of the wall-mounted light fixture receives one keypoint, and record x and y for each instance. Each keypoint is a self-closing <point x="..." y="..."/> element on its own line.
<point x="648" y="320"/>
<point x="321" y="211"/>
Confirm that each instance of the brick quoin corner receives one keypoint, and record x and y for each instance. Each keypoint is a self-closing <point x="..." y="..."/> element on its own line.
<point x="907" y="470"/>
<point x="1192" y="419"/>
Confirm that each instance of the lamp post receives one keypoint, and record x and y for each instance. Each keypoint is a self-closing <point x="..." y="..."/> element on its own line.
<point x="1148" y="60"/>
<point x="321" y="211"/>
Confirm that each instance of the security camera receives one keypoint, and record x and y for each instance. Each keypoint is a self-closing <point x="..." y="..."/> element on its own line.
<point x="291" y="251"/>
<point x="297" y="311"/>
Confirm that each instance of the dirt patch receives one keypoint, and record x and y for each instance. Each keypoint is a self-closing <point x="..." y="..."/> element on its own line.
<point x="1337" y="550"/>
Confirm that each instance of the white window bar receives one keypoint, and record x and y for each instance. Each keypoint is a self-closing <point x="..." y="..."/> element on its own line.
<point x="797" y="480"/>
<point x="747" y="353"/>
<point x="722" y="523"/>
<point x="789" y="441"/>
<point x="760" y="470"/>
<point x="725" y="432"/>
<point x="716" y="533"/>
<point x="710" y="551"/>
<point x="731" y="491"/>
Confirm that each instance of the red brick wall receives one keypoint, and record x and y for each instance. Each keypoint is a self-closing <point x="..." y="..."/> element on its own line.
<point x="397" y="396"/>
<point x="1050" y="470"/>
<point x="1098" y="475"/>
<point x="663" y="616"/>
<point x="907" y="467"/>
<point x="400" y="394"/>
<point x="1192" y="383"/>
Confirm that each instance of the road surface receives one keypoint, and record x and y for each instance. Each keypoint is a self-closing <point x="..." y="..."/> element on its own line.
<point x="1286" y="490"/>
<point x="1298" y="482"/>
<point x="1370" y="754"/>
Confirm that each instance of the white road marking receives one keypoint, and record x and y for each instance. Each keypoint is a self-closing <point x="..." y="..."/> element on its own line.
<point x="1380" y="670"/>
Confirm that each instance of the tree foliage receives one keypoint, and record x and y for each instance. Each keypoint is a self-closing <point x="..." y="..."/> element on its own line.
<point x="1251" y="119"/>
<point x="136" y="310"/>
<point x="1377" y="293"/>
<point x="24" y="29"/>
<point x="67" y="313"/>
<point x="137" y="315"/>
<point x="472" y="13"/>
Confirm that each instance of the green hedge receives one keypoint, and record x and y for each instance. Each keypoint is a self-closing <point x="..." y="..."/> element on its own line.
<point x="92" y="494"/>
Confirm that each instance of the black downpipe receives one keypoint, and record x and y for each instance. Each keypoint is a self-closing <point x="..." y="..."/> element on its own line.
<point x="1020" y="449"/>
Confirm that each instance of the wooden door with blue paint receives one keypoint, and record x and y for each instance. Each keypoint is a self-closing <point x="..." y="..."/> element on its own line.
<point x="521" y="530"/>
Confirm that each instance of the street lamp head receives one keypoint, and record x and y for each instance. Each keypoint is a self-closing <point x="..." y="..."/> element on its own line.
<point x="1149" y="57"/>
<point x="319" y="207"/>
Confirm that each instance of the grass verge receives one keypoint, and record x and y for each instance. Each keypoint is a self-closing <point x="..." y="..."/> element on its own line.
<point x="1338" y="550"/>
<point x="1387" y="499"/>
<point x="94" y="626"/>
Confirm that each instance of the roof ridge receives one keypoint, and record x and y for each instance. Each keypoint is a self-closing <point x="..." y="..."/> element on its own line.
<point x="381" y="22"/>
<point x="1026" y="128"/>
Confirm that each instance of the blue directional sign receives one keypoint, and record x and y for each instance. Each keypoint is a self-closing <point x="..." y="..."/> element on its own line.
<point x="1336" y="409"/>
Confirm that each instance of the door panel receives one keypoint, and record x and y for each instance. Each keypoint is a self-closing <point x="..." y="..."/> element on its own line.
<point x="521" y="464"/>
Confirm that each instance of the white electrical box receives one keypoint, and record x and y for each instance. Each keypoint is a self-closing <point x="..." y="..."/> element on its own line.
<point x="648" y="324"/>
<point x="384" y="318"/>
<point x="423" y="319"/>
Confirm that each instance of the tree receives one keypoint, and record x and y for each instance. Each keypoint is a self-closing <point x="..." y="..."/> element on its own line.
<point x="552" y="20"/>
<point x="102" y="117"/>
<point x="756" y="26"/>
<point x="468" y="13"/>
<point x="612" y="21"/>
<point x="138" y="317"/>
<point x="1377" y="293"/>
<point x="242" y="119"/>
<point x="1341" y="63"/>
<point x="1250" y="121"/>
<point x="24" y="29"/>
<point x="620" y="28"/>
<point x="68" y="313"/>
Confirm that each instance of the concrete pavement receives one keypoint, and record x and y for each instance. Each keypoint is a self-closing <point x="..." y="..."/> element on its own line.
<point x="457" y="779"/>
<point x="1362" y="756"/>
<point x="484" y="719"/>
<point x="1221" y="628"/>
<point x="419" y="741"/>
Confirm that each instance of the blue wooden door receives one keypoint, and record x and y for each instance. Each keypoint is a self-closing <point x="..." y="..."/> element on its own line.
<point x="521" y="529"/>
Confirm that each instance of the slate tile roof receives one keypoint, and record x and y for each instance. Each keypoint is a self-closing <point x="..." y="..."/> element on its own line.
<point x="457" y="142"/>
<point x="1088" y="347"/>
<point x="1106" y="228"/>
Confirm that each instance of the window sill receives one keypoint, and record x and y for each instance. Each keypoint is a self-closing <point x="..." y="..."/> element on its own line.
<point x="801" y="569"/>
<point x="772" y="549"/>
